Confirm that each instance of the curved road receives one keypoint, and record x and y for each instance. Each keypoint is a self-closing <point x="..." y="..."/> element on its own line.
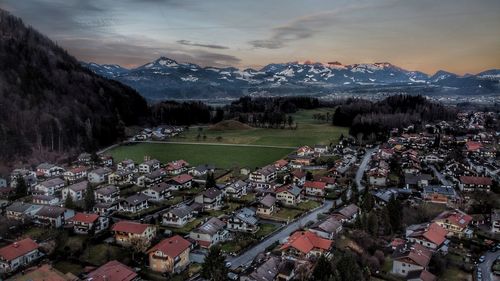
<point x="486" y="266"/>
<point x="248" y="256"/>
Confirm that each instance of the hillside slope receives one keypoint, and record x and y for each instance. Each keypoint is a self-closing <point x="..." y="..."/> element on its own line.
<point x="50" y="103"/>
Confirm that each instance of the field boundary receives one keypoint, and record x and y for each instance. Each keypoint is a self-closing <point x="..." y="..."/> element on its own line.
<point x="216" y="144"/>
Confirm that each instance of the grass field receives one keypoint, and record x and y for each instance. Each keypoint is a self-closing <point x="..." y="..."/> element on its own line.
<point x="309" y="132"/>
<point x="220" y="156"/>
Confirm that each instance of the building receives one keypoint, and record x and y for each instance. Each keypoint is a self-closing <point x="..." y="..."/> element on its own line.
<point x="349" y="213"/>
<point x="456" y="222"/>
<point x="417" y="181"/>
<point x="177" y="167"/>
<point x="134" y="203"/>
<point x="152" y="178"/>
<point x="243" y="220"/>
<point x="49" y="187"/>
<point x="315" y="188"/>
<point x="43" y="272"/>
<point x="211" y="199"/>
<point x="431" y="236"/>
<point x="410" y="257"/>
<point x="75" y="174"/>
<point x="45" y="200"/>
<point x="99" y="175"/>
<point x="126" y="165"/>
<point x="49" y="170"/>
<point x="21" y="211"/>
<point x="128" y="232"/>
<point x="328" y="229"/>
<point x="18" y="254"/>
<point x="75" y="191"/>
<point x="28" y="176"/>
<point x="170" y="255"/>
<point x="178" y="216"/>
<point x="122" y="177"/>
<point x="84" y="223"/>
<point x="158" y="192"/>
<point x="495" y="221"/>
<point x="107" y="194"/>
<point x="471" y="183"/>
<point x="306" y="244"/>
<point x="53" y="216"/>
<point x="181" y="181"/>
<point x="210" y="233"/>
<point x="202" y="170"/>
<point x="236" y="189"/>
<point x="113" y="271"/>
<point x="263" y="177"/>
<point x="149" y="166"/>
<point x="289" y="195"/>
<point x="266" y="205"/>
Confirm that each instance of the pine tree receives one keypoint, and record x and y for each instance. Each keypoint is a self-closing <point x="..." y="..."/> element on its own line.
<point x="21" y="187"/>
<point x="214" y="267"/>
<point x="323" y="269"/>
<point x="349" y="269"/>
<point x="372" y="223"/>
<point x="89" y="198"/>
<point x="395" y="214"/>
<point x="210" y="182"/>
<point x="68" y="203"/>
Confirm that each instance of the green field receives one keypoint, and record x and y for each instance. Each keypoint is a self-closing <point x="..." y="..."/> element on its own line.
<point x="220" y="156"/>
<point x="309" y="132"/>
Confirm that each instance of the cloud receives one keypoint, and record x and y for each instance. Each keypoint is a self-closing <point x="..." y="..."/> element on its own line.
<point x="210" y="46"/>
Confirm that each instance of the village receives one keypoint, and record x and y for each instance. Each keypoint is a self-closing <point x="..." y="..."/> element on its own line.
<point x="424" y="205"/>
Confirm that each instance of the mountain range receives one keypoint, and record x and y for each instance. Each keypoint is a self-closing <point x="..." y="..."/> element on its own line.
<point x="165" y="78"/>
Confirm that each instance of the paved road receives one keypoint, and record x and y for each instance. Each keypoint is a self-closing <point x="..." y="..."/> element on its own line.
<point x="362" y="168"/>
<point x="486" y="266"/>
<point x="219" y="144"/>
<point x="440" y="176"/>
<point x="248" y="256"/>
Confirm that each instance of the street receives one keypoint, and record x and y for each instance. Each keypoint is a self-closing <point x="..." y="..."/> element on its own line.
<point x="248" y="256"/>
<point x="440" y="176"/>
<point x="486" y="266"/>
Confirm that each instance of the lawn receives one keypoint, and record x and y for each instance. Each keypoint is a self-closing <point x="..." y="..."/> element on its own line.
<point x="308" y="205"/>
<point x="309" y="132"/>
<point x="287" y="213"/>
<point x="66" y="266"/>
<point x="221" y="156"/>
<point x="265" y="229"/>
<point x="101" y="253"/>
<point x="452" y="273"/>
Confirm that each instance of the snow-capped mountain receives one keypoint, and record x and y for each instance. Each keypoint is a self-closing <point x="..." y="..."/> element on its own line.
<point x="166" y="78"/>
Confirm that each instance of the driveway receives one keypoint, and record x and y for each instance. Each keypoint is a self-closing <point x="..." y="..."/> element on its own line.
<point x="248" y="256"/>
<point x="440" y="176"/>
<point x="486" y="266"/>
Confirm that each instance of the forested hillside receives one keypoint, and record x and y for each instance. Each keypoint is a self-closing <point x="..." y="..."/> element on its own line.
<point x="50" y="103"/>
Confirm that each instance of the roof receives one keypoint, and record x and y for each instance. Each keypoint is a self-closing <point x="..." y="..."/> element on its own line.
<point x="237" y="185"/>
<point x="349" y="211"/>
<point x="130" y="227"/>
<point x="268" y="200"/>
<point x="45" y="166"/>
<point x="292" y="189"/>
<point x="330" y="225"/>
<point x="212" y="193"/>
<point x="136" y="199"/>
<point x="473" y="145"/>
<point x="112" y="271"/>
<point x="85" y="218"/>
<point x="78" y="169"/>
<point x="19" y="207"/>
<point x="305" y="241"/>
<point x="175" y="165"/>
<point x="107" y="190"/>
<point x="299" y="174"/>
<point x="43" y="272"/>
<point x="414" y="252"/>
<point x="181" y="211"/>
<point x="18" y="249"/>
<point x="162" y="186"/>
<point x="414" y="179"/>
<point x="151" y="162"/>
<point x="181" y="179"/>
<point x="315" y="184"/>
<point x="455" y="217"/>
<point x="52" y="182"/>
<point x="281" y="163"/>
<point x="247" y="215"/>
<point x="432" y="232"/>
<point x="81" y="186"/>
<point x="267" y="170"/>
<point x="476" y="180"/>
<point x="423" y="275"/>
<point x="266" y="271"/>
<point x="101" y="171"/>
<point x="50" y="212"/>
<point x="172" y="246"/>
<point x="211" y="227"/>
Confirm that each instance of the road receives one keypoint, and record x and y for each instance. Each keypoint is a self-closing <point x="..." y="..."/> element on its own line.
<point x="218" y="144"/>
<point x="440" y="176"/>
<point x="486" y="266"/>
<point x="248" y="256"/>
<point x="362" y="168"/>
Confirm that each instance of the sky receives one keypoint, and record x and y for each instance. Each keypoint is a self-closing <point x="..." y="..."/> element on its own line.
<point x="460" y="36"/>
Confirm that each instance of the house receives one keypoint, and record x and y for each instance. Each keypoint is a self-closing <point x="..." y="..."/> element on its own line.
<point x="49" y="170"/>
<point x="149" y="166"/>
<point x="439" y="194"/>
<point x="304" y="151"/>
<point x="121" y="177"/>
<point x="75" y="174"/>
<point x="177" y="167"/>
<point x="456" y="222"/>
<point x="431" y="236"/>
<point x="181" y="181"/>
<point x="202" y="170"/>
<point x="128" y="232"/>
<point x="3" y="183"/>
<point x="152" y="178"/>
<point x="28" y="176"/>
<point x="84" y="158"/>
<point x="99" y="175"/>
<point x="134" y="203"/>
<point x="49" y="187"/>
<point x="45" y="200"/>
<point x="262" y="177"/>
<point x="211" y="199"/>
<point x="178" y="216"/>
<point x="321" y="149"/>
<point x="289" y="195"/>
<point x="420" y="275"/>
<point x="53" y="216"/>
<point x="297" y="162"/>
<point x="377" y="177"/>
<point x="329" y="181"/>
<point x="18" y="254"/>
<point x="417" y="181"/>
<point x="210" y="233"/>
<point x="107" y="194"/>
<point x="315" y="188"/>
<point x="471" y="183"/>
<point x="158" y="192"/>
<point x="267" y="271"/>
<point x="266" y="205"/>
<point x="299" y="177"/>
<point x="306" y="244"/>
<point x="106" y="160"/>
<point x="236" y="189"/>
<point x="281" y="165"/>
<point x="410" y="257"/>
<point x="328" y="229"/>
<point x="495" y="221"/>
<point x="170" y="255"/>
<point x="83" y="223"/>
<point x="243" y="220"/>
<point x="105" y="208"/>
<point x="113" y="271"/>
<point x="349" y="213"/>
<point x="20" y="210"/>
<point x="75" y="191"/>
<point x="126" y="165"/>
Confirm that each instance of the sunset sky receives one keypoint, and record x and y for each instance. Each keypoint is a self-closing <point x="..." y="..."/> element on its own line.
<point x="461" y="36"/>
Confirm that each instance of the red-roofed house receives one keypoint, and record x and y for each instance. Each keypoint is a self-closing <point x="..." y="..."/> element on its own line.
<point x="409" y="258"/>
<point x="181" y="181"/>
<point x="431" y="236"/>
<point x="307" y="244"/>
<point x="281" y="164"/>
<point x="18" y="254"/>
<point x="177" y="167"/>
<point x="469" y="183"/>
<point x="170" y="255"/>
<point x="82" y="223"/>
<point x="473" y="146"/>
<point x="315" y="188"/>
<point x="75" y="174"/>
<point x="113" y="271"/>
<point x="456" y="222"/>
<point x="126" y="232"/>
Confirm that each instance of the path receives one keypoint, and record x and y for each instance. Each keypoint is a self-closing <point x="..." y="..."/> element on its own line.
<point x="219" y="144"/>
<point x="248" y="256"/>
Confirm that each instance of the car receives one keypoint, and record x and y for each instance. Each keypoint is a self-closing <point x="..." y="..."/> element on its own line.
<point x="482" y="259"/>
<point x="228" y="264"/>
